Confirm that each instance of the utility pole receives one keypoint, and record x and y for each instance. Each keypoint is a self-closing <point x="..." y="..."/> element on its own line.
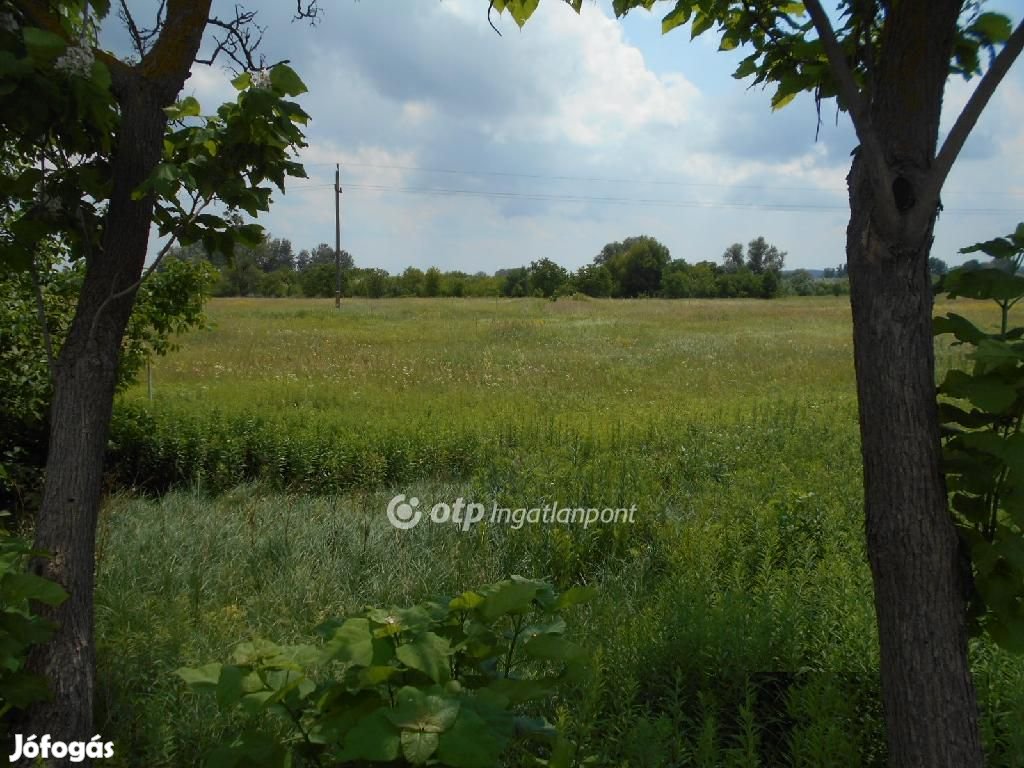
<point x="337" y="236"/>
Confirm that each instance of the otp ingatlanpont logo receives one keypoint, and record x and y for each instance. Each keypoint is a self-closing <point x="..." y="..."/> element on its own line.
<point x="404" y="514"/>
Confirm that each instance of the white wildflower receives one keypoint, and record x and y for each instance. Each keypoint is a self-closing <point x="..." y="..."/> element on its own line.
<point x="8" y="23"/>
<point x="51" y="206"/>
<point x="76" y="62"/>
<point x="261" y="79"/>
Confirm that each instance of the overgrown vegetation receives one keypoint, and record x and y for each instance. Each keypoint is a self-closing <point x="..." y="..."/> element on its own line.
<point x="35" y="314"/>
<point x="732" y="623"/>
<point x="439" y="683"/>
<point x="20" y="629"/>
<point x="982" y="412"/>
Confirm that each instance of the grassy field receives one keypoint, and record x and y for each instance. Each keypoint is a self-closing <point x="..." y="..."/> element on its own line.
<point x="733" y="624"/>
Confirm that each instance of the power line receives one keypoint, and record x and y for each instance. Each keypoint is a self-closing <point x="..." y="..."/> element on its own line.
<point x="624" y="180"/>
<point x="619" y="200"/>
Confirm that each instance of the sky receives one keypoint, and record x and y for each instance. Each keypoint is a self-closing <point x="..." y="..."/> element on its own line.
<point x="463" y="149"/>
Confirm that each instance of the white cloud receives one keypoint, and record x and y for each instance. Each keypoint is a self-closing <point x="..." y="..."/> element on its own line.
<point x="601" y="88"/>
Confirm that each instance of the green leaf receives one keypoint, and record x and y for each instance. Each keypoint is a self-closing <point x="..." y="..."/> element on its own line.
<point x="576" y="596"/>
<point x="997" y="248"/>
<point x="372" y="738"/>
<point x="986" y="392"/>
<point x="187" y="107"/>
<point x="992" y="28"/>
<point x="229" y="686"/>
<point x="984" y="283"/>
<point x="962" y="328"/>
<point x="204" y="678"/>
<point x="243" y="81"/>
<point x="429" y="712"/>
<point x="702" y="22"/>
<point x="351" y="643"/>
<point x="250" y="235"/>
<point x="22" y="689"/>
<point x="42" y="44"/>
<point x="467" y="601"/>
<point x="17" y="587"/>
<point x="418" y="746"/>
<point x="429" y="654"/>
<point x="284" y="80"/>
<point x="676" y="17"/>
<point x="521" y="10"/>
<point x="470" y="743"/>
<point x="507" y="597"/>
<point x="992" y="353"/>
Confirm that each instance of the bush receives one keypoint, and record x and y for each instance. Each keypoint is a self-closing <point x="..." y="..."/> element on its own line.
<point x="443" y="683"/>
<point x="19" y="628"/>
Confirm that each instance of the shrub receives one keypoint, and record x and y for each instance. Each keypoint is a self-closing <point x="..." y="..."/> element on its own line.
<point x="443" y="683"/>
<point x="20" y="629"/>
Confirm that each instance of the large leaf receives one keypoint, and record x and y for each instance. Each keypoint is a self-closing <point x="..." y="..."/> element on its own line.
<point x="429" y="654"/>
<point x="989" y="393"/>
<point x="351" y="643"/>
<point x="470" y="743"/>
<point x="373" y="738"/>
<point x="16" y="587"/>
<point x="286" y="81"/>
<point x="427" y="711"/>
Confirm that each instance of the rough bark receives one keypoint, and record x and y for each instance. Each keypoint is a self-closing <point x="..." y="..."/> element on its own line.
<point x="928" y="694"/>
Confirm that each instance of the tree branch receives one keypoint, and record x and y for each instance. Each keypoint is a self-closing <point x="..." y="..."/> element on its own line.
<point x="860" y="113"/>
<point x="37" y="288"/>
<point x="306" y="9"/>
<point x="197" y="208"/>
<point x="968" y="118"/>
<point x="241" y="39"/>
<point x="141" y="38"/>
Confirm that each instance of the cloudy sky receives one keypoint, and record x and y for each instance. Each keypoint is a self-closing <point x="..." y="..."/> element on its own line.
<point x="466" y="150"/>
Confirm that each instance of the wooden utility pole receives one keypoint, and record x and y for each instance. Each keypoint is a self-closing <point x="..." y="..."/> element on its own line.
<point x="337" y="237"/>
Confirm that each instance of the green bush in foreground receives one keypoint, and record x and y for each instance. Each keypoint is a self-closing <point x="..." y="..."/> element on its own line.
<point x="440" y="683"/>
<point x="19" y="628"/>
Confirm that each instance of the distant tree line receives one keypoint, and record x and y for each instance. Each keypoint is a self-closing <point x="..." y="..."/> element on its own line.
<point x="635" y="267"/>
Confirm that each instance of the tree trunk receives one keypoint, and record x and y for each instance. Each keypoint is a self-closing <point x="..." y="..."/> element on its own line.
<point x="85" y="379"/>
<point x="928" y="695"/>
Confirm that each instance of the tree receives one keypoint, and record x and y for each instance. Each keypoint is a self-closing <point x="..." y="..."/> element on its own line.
<point x="594" y="280"/>
<point x="547" y="277"/>
<point x="937" y="266"/>
<point x="112" y="154"/>
<point x="515" y="282"/>
<point x="635" y="264"/>
<point x="324" y="254"/>
<point x="274" y="254"/>
<point x="887" y="66"/>
<point x="762" y="257"/>
<point x="432" y="282"/>
<point x="411" y="281"/>
<point x="732" y="259"/>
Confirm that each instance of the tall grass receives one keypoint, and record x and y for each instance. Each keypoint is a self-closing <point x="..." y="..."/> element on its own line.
<point x="734" y="624"/>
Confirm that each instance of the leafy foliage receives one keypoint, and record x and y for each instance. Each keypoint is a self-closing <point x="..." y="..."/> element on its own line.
<point x="19" y="628"/>
<point x="442" y="683"/>
<point x="169" y="303"/>
<point x="982" y="412"/>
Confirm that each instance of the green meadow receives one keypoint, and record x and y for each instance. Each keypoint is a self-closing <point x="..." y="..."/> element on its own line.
<point x="733" y="623"/>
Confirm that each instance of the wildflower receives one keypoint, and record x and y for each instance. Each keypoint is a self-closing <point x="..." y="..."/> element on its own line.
<point x="261" y="79"/>
<point x="76" y="62"/>
<point x="8" y="23"/>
